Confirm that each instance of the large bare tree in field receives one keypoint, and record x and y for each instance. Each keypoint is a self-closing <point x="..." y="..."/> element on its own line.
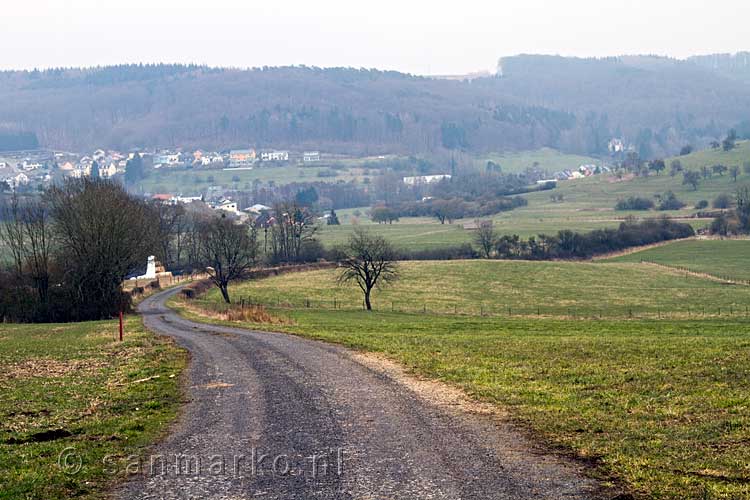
<point x="370" y="261"/>
<point x="227" y="251"/>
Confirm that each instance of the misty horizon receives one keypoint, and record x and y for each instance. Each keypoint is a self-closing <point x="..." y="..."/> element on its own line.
<point x="418" y="38"/>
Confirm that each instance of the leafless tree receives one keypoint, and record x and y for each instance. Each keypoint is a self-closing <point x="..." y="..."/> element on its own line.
<point x="227" y="251"/>
<point x="38" y="235"/>
<point x="171" y="224"/>
<point x="102" y="234"/>
<point x="293" y="227"/>
<point x="486" y="238"/>
<point x="12" y="233"/>
<point x="370" y="261"/>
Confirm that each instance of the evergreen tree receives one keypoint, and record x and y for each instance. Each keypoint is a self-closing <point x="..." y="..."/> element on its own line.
<point x="333" y="219"/>
<point x="134" y="169"/>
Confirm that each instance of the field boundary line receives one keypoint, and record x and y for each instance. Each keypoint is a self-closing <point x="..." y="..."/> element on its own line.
<point x="632" y="250"/>
<point x="699" y="274"/>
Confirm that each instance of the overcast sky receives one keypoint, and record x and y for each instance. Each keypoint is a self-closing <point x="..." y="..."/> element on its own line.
<point x="423" y="37"/>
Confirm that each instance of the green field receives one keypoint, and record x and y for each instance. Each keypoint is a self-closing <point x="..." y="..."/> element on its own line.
<point x="196" y="181"/>
<point x="547" y="159"/>
<point x="724" y="258"/>
<point x="560" y="289"/>
<point x="422" y="233"/>
<point x="587" y="204"/>
<point x="71" y="388"/>
<point x="662" y="406"/>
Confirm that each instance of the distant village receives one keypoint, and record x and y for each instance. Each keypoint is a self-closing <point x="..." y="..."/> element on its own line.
<point x="19" y="169"/>
<point x="34" y="170"/>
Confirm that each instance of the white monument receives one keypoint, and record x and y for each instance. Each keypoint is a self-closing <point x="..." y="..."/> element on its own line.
<point x="150" y="270"/>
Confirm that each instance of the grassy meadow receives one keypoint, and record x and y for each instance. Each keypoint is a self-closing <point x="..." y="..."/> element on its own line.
<point x="587" y="204"/>
<point x="662" y="406"/>
<point x="497" y="287"/>
<point x="547" y="159"/>
<point x="72" y="389"/>
<point x="195" y="181"/>
<point x="725" y="258"/>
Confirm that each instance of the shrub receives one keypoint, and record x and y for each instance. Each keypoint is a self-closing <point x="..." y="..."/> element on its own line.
<point x="722" y="201"/>
<point x="634" y="203"/>
<point x="701" y="205"/>
<point x="670" y="202"/>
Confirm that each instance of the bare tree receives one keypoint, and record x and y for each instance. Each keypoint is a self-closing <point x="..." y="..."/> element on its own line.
<point x="734" y="171"/>
<point x="293" y="227"/>
<point x="38" y="235"/>
<point x="486" y="238"/>
<point x="171" y="223"/>
<point x="227" y="251"/>
<point x="12" y="233"/>
<point x="370" y="261"/>
<point x="102" y="234"/>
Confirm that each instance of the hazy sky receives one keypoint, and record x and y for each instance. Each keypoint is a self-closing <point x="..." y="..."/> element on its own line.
<point x="425" y="37"/>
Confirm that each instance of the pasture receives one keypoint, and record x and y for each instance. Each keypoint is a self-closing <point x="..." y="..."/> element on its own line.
<point x="72" y="389"/>
<point x="726" y="258"/>
<point x="197" y="180"/>
<point x="660" y="405"/>
<point x="508" y="288"/>
<point x="546" y="159"/>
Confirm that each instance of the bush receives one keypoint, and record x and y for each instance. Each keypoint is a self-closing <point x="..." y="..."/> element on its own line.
<point x="722" y="201"/>
<point x="464" y="251"/>
<point x="634" y="203"/>
<point x="701" y="205"/>
<point x="670" y="202"/>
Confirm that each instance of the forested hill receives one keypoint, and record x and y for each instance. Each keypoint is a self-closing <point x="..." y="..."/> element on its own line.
<point x="575" y="105"/>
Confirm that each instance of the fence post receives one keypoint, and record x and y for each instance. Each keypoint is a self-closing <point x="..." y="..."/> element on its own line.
<point x="120" y="325"/>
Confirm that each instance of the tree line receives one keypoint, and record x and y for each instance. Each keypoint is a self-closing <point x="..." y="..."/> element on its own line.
<point x="567" y="244"/>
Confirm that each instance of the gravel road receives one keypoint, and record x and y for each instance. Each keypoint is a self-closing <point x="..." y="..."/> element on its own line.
<point x="274" y="416"/>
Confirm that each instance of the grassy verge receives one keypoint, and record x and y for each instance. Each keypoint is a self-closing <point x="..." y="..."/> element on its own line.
<point x="663" y="406"/>
<point x="71" y="391"/>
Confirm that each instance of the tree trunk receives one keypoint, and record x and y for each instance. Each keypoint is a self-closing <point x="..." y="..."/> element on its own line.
<point x="368" y="305"/>
<point x="225" y="293"/>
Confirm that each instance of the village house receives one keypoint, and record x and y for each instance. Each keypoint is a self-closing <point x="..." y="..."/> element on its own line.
<point x="228" y="206"/>
<point x="274" y="156"/>
<point x="242" y="158"/>
<point x="310" y="156"/>
<point x="14" y="180"/>
<point x="257" y="209"/>
<point x="108" y="171"/>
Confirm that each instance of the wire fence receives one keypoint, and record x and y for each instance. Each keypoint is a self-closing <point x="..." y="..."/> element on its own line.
<point x="734" y="310"/>
<point x="727" y="279"/>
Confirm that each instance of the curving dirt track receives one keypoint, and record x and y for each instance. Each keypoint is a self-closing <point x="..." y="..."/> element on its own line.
<point x="274" y="416"/>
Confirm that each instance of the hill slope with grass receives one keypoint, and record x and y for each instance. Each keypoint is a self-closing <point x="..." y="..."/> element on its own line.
<point x="725" y="258"/>
<point x="657" y="405"/>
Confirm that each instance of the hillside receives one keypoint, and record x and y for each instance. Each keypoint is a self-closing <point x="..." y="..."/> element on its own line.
<point x="573" y="105"/>
<point x="722" y="258"/>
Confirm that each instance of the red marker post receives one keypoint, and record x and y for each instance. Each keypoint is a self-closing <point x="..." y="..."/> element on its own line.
<point x="120" y="326"/>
